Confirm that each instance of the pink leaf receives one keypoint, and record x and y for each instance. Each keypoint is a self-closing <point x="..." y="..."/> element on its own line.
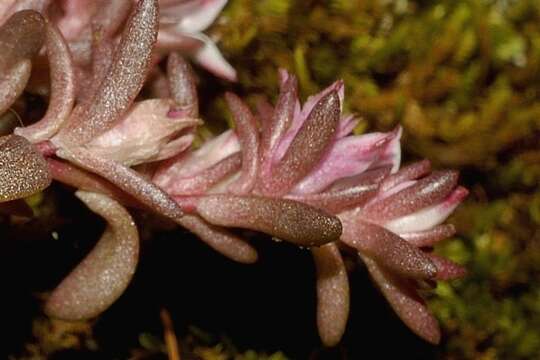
<point x="62" y="89"/>
<point x="429" y="217"/>
<point x="447" y="269"/>
<point x="106" y="271"/>
<point x="220" y="239"/>
<point x="387" y="248"/>
<point x="188" y="165"/>
<point x="182" y="85"/>
<point x="411" y="172"/>
<point x="124" y="80"/>
<point x="308" y="147"/>
<point x="279" y="121"/>
<point x="248" y="135"/>
<point x="425" y="192"/>
<point x="284" y="219"/>
<point x="203" y="181"/>
<point x="126" y="179"/>
<point x="23" y="171"/>
<point x="405" y="302"/>
<point x="332" y="293"/>
<point x="430" y="237"/>
<point x="346" y="157"/>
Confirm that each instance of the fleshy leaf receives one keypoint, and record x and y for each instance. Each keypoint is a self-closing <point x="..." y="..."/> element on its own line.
<point x="347" y="157"/>
<point x="308" y="147"/>
<point x="81" y="179"/>
<point x="248" y="135"/>
<point x="430" y="237"/>
<point x="278" y="120"/>
<point x="405" y="302"/>
<point x="62" y="88"/>
<point x="23" y="171"/>
<point x="447" y="269"/>
<point x="332" y="293"/>
<point x="124" y="80"/>
<point x="21" y="37"/>
<point x="13" y="82"/>
<point x="126" y="179"/>
<point x="105" y="272"/>
<point x="182" y="85"/>
<point x="186" y="166"/>
<point x="426" y="192"/>
<point x="410" y="172"/>
<point x="203" y="181"/>
<point x="387" y="248"/>
<point x="337" y="201"/>
<point x="429" y="217"/>
<point x="220" y="239"/>
<point x="289" y="220"/>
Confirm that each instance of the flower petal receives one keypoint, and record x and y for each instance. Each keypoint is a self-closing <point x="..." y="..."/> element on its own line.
<point x="192" y="15"/>
<point x="106" y="271"/>
<point x="142" y="135"/>
<point x="209" y="57"/>
<point x="347" y="157"/>
<point x="346" y="126"/>
<point x="169" y="39"/>
<point x="427" y="218"/>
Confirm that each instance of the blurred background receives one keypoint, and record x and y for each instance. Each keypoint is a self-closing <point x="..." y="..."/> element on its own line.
<point x="463" y="79"/>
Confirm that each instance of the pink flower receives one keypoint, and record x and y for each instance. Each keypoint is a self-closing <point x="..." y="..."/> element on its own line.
<point x="147" y="133"/>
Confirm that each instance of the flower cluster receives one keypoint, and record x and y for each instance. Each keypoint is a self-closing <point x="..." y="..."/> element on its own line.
<point x="294" y="172"/>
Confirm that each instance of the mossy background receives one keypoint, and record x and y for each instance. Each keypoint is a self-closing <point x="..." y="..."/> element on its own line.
<point x="463" y="79"/>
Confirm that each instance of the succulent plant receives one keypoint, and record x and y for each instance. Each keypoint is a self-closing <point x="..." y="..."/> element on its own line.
<point x="292" y="172"/>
